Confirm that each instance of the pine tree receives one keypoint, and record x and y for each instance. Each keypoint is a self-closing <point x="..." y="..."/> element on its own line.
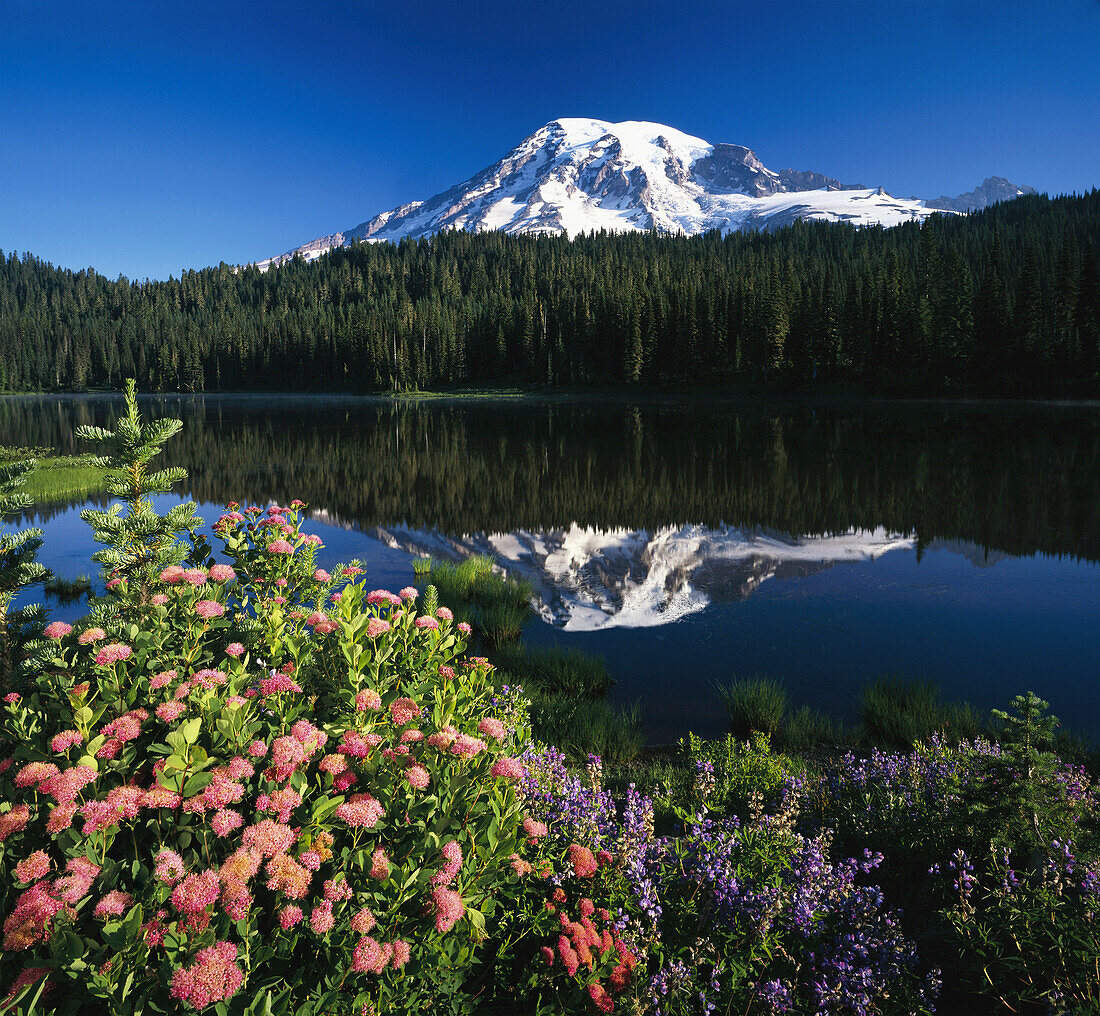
<point x="140" y="543"/>
<point x="21" y="644"/>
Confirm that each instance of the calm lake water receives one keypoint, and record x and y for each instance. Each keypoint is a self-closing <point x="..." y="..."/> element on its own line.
<point x="689" y="541"/>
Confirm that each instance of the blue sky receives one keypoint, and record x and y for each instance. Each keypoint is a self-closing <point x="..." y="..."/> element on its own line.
<point x="143" y="138"/>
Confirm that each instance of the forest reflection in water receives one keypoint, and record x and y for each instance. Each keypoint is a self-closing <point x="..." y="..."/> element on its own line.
<point x="1019" y="480"/>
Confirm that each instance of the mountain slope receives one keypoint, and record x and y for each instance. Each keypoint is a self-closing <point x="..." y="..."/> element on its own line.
<point x="576" y="175"/>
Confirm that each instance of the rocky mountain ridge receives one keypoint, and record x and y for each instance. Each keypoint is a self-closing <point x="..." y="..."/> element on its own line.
<point x="574" y="175"/>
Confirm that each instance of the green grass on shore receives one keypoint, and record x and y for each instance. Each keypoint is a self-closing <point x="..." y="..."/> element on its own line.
<point x="57" y="477"/>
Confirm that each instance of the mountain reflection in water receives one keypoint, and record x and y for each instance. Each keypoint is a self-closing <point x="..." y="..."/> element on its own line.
<point x="587" y="579"/>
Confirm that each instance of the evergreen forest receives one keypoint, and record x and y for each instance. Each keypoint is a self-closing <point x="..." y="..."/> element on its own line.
<point x="1002" y="302"/>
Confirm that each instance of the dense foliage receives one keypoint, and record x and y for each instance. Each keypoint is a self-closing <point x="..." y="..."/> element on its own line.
<point x="1003" y="301"/>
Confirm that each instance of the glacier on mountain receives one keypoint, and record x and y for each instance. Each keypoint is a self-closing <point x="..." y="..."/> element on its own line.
<point x="575" y="175"/>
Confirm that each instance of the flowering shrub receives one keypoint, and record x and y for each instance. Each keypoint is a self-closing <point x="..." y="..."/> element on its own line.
<point x="183" y="825"/>
<point x="1032" y="936"/>
<point x="734" y="916"/>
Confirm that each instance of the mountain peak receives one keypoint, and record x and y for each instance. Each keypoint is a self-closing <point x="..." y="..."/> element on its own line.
<point x="577" y="174"/>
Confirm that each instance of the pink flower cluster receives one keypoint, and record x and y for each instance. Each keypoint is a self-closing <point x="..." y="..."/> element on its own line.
<point x="360" y="811"/>
<point x="452" y="863"/>
<point x="113" y="653"/>
<point x="404" y="710"/>
<point x="448" y="908"/>
<point x="213" y="977"/>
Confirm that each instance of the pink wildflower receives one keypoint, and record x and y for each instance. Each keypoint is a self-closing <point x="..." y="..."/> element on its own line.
<point x="222" y="573"/>
<point x="448" y="908"/>
<point x="209" y="609"/>
<point x="35" y="773"/>
<point x="404" y="710"/>
<point x="158" y="600"/>
<point x="369" y="957"/>
<point x="465" y="746"/>
<point x="426" y="622"/>
<point x="58" y="630"/>
<point x="376" y="597"/>
<point x="418" y="777"/>
<point x="321" y="920"/>
<point x="269" y="837"/>
<point x="289" y="916"/>
<point x="491" y="727"/>
<point x="113" y="653"/>
<point x="169" y="867"/>
<point x="163" y="679"/>
<point x="508" y="769"/>
<point x="320" y="575"/>
<point x="208" y="679"/>
<point x="376" y="626"/>
<point x="234" y="649"/>
<point x="379" y="864"/>
<point x="194" y="576"/>
<point x="362" y="921"/>
<point x="172" y="574"/>
<point x="196" y="892"/>
<point x="409" y="593"/>
<point x="360" y="811"/>
<point x="61" y="817"/>
<point x="91" y="635"/>
<point x="169" y="711"/>
<point x="444" y="614"/>
<point x="445" y="672"/>
<point x="534" y="829"/>
<point x="33" y="867"/>
<point x="280" y="547"/>
<point x="114" y="904"/>
<point x="401" y="953"/>
<point x="213" y="977"/>
<point x="257" y="749"/>
<point x="583" y="861"/>
<point x="65" y="787"/>
<point x="13" y="821"/>
<point x="463" y="627"/>
<point x="368" y="699"/>
<point x="225" y="821"/>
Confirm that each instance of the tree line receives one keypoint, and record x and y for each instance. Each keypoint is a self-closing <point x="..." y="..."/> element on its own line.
<point x="1005" y="301"/>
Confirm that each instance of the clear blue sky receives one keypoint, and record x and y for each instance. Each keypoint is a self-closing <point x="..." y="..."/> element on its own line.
<point x="142" y="138"/>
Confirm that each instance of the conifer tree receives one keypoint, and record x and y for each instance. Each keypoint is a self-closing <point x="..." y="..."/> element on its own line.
<point x="140" y="543"/>
<point x="21" y="642"/>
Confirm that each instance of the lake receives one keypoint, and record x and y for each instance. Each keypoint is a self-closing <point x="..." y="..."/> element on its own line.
<point x="688" y="541"/>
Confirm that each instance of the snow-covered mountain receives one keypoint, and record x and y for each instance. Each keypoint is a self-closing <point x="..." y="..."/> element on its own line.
<point x="991" y="190"/>
<point x="587" y="579"/>
<point x="576" y="175"/>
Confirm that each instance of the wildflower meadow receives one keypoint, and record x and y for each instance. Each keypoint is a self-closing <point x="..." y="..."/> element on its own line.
<point x="244" y="784"/>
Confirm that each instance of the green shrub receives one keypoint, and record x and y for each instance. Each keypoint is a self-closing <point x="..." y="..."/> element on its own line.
<point x="754" y="703"/>
<point x="740" y="771"/>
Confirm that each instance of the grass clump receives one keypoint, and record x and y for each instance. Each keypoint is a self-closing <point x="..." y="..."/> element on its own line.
<point x="565" y="672"/>
<point x="810" y="728"/>
<point x="497" y="606"/>
<point x="68" y="591"/>
<point x="753" y="703"/>
<point x="57" y="477"/>
<point x="899" y="713"/>
<point x="579" y="726"/>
